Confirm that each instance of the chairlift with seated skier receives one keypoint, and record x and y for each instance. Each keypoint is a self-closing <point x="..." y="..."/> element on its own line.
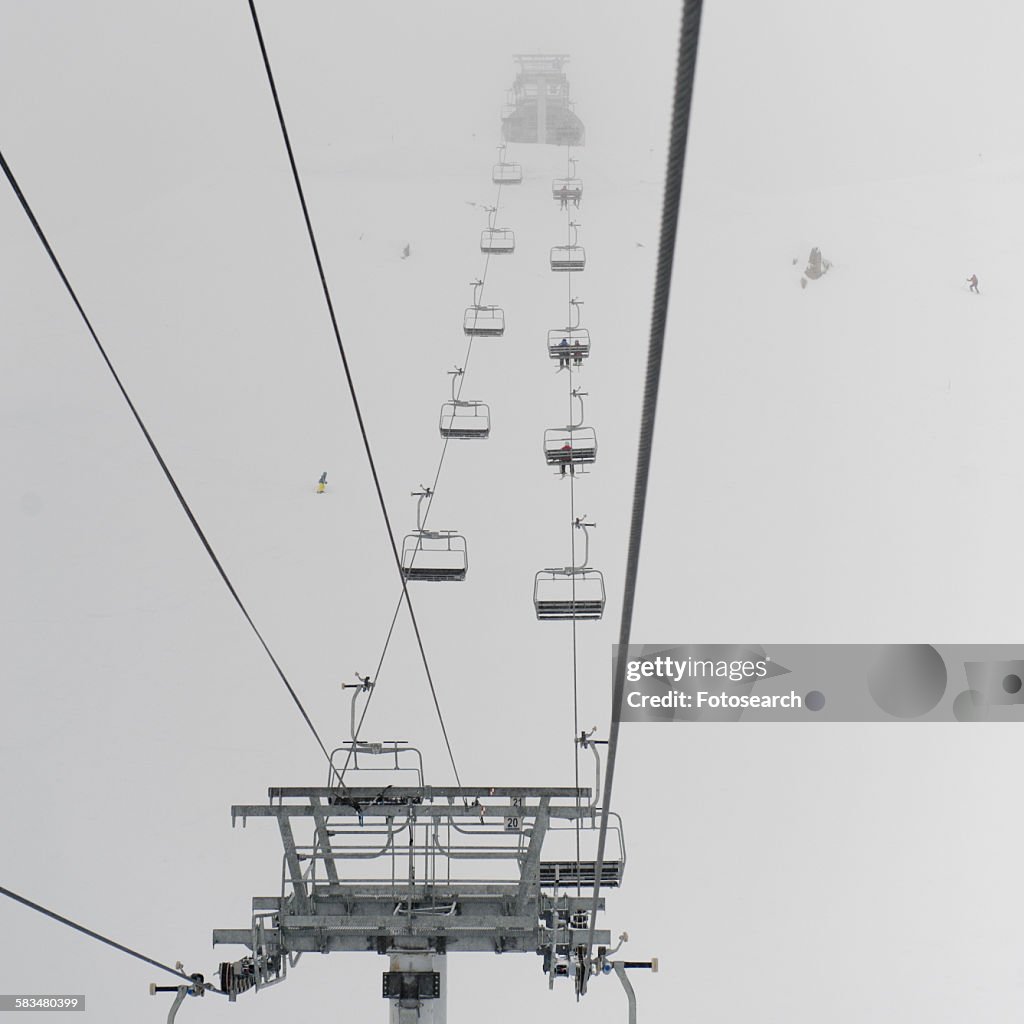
<point x="569" y="189"/>
<point x="572" y="447"/>
<point x="570" y="345"/>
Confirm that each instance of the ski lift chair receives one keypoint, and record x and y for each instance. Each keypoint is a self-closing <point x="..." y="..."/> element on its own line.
<point x="577" y="349"/>
<point x="569" y="871"/>
<point x="567" y="190"/>
<point x="573" y="447"/>
<point x="503" y="173"/>
<point x="564" y="594"/>
<point x="439" y="556"/>
<point x="498" y="241"/>
<point x="571" y="256"/>
<point x="465" y="421"/>
<point x="436" y="555"/>
<point x="568" y="257"/>
<point x="484" y="321"/>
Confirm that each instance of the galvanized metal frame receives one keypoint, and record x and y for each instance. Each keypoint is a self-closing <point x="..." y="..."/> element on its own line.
<point x="420" y="868"/>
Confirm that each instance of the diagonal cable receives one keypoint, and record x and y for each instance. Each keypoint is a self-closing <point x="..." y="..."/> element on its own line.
<point x="349" y="379"/>
<point x="96" y="935"/>
<point x="686" y="65"/>
<point x="572" y="540"/>
<point x="426" y="512"/>
<point x="156" y="451"/>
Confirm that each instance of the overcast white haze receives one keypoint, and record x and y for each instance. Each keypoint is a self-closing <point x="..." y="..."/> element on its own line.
<point x="834" y="464"/>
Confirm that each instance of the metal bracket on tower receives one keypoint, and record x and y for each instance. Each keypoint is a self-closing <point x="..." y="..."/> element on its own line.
<point x="411" y="986"/>
<point x="415" y="986"/>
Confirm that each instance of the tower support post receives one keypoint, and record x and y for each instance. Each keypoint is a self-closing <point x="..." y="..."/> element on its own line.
<point x="417" y="988"/>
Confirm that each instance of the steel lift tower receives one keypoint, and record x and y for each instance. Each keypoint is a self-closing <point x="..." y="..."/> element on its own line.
<point x="416" y="873"/>
<point x="538" y="108"/>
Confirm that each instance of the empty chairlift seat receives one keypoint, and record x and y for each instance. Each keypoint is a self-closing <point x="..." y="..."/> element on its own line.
<point x="498" y="241"/>
<point x="571" y="872"/>
<point x="436" y="555"/>
<point x="568" y="257"/>
<point x="484" y="321"/>
<point x="465" y="421"/>
<point x="570" y="446"/>
<point x="568" y="593"/>
<point x="569" y="343"/>
<point x="507" y="173"/>
<point x="567" y="868"/>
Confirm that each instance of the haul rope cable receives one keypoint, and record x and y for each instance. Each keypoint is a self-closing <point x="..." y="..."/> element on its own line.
<point x="156" y="451"/>
<point x="102" y="938"/>
<point x="685" y="71"/>
<point x="465" y="364"/>
<point x="572" y="539"/>
<point x="351" y="383"/>
<point x="430" y="501"/>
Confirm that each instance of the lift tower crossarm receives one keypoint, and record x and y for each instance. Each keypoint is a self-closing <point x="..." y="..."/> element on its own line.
<point x="417" y="873"/>
<point x="413" y="793"/>
<point x="564" y="812"/>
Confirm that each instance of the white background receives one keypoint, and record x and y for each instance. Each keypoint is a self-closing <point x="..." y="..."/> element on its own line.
<point x="834" y="464"/>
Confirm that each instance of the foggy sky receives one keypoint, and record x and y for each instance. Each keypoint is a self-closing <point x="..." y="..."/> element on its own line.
<point x="835" y="465"/>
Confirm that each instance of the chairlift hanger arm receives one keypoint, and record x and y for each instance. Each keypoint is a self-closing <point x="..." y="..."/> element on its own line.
<point x="422" y="494"/>
<point x="578" y="395"/>
<point x="356" y="691"/>
<point x="181" y="992"/>
<point x="455" y="375"/>
<point x="584" y="740"/>
<point x="580" y="523"/>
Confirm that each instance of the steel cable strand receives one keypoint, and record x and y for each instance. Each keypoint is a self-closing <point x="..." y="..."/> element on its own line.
<point x="186" y="508"/>
<point x="686" y="63"/>
<point x="351" y="383"/>
<point x="426" y="514"/>
<point x="100" y="938"/>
